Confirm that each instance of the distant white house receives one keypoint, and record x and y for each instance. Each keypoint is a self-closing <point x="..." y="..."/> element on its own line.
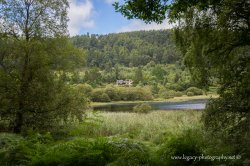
<point x="124" y="82"/>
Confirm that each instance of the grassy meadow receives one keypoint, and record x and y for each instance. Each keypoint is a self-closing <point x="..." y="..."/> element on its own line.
<point x="153" y="127"/>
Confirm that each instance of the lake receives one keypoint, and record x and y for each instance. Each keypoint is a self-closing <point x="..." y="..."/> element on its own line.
<point x="128" y="107"/>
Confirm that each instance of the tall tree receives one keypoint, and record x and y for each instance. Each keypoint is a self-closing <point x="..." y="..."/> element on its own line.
<point x="34" y="52"/>
<point x="138" y="78"/>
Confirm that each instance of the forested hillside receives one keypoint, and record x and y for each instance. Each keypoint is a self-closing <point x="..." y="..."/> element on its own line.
<point x="128" y="49"/>
<point x="149" y="58"/>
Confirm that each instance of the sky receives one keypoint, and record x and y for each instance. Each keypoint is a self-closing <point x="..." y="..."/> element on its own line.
<point x="99" y="17"/>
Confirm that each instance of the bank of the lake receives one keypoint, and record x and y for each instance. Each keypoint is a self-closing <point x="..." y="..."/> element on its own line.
<point x="158" y="100"/>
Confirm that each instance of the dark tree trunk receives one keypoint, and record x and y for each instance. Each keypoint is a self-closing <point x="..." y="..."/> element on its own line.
<point x="18" y="123"/>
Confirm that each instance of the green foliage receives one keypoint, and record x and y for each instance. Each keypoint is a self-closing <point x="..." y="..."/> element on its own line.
<point x="93" y="76"/>
<point x="16" y="150"/>
<point x="179" y="133"/>
<point x="130" y="49"/>
<point x="147" y="11"/>
<point x="190" y="94"/>
<point x="178" y="94"/>
<point x="42" y="95"/>
<point x="125" y="152"/>
<point x="86" y="89"/>
<point x="135" y="93"/>
<point x="159" y="73"/>
<point x="194" y="91"/>
<point x="9" y="149"/>
<point x="153" y="127"/>
<point x="223" y="122"/>
<point x="214" y="37"/>
<point x="167" y="94"/>
<point x="112" y="93"/>
<point x="33" y="64"/>
<point x="75" y="152"/>
<point x="138" y="78"/>
<point x="99" y="95"/>
<point x="142" y="108"/>
<point x="190" y="143"/>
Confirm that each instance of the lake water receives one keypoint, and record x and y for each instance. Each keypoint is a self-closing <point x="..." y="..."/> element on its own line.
<point x="128" y="107"/>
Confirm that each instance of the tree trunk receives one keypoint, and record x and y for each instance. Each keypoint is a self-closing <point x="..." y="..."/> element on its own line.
<point x="18" y="122"/>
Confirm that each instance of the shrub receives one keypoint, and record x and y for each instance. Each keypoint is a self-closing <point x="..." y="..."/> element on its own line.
<point x="17" y="150"/>
<point x="227" y="118"/>
<point x="124" y="152"/>
<point x="86" y="89"/>
<point x="190" y="143"/>
<point x="190" y="93"/>
<point x="113" y="93"/>
<point x="98" y="95"/>
<point x="178" y="94"/>
<point x="142" y="108"/>
<point x="194" y="90"/>
<point x="9" y="149"/>
<point x="166" y="94"/>
<point x="121" y="93"/>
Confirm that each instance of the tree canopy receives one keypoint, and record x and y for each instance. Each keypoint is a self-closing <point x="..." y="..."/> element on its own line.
<point x="128" y="49"/>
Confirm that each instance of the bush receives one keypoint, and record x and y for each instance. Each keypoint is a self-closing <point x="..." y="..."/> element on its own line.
<point x="98" y="95"/>
<point x="86" y="89"/>
<point x="10" y="152"/>
<point x="227" y="118"/>
<point x="124" y="152"/>
<point x="190" y="93"/>
<point x="113" y="93"/>
<point x="142" y="108"/>
<point x="194" y="90"/>
<point x="166" y="94"/>
<point x="135" y="93"/>
<point x="16" y="150"/>
<point x="190" y="143"/>
<point x="178" y="94"/>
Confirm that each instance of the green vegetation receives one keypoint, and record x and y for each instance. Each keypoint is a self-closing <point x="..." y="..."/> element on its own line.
<point x="142" y="108"/>
<point x="33" y="63"/>
<point x="120" y="94"/>
<point x="47" y="81"/>
<point x="194" y="91"/>
<point x="131" y="49"/>
<point x="149" y="58"/>
<point x="117" y="139"/>
<point x="214" y="38"/>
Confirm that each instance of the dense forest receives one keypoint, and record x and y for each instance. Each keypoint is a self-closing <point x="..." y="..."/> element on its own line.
<point x="131" y="49"/>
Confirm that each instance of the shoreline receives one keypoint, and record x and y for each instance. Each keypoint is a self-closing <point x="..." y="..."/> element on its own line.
<point x="158" y="100"/>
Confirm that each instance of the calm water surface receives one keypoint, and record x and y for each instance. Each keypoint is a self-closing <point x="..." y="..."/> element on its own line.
<point x="128" y="107"/>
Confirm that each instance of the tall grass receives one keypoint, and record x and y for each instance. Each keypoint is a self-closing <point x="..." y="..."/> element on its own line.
<point x="153" y="127"/>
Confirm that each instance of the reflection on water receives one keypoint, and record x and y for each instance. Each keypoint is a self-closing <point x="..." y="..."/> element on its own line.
<point x="128" y="107"/>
